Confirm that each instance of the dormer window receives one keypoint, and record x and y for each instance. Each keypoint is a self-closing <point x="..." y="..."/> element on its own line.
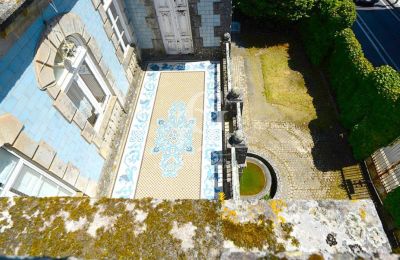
<point x="82" y="82"/>
<point x="115" y="15"/>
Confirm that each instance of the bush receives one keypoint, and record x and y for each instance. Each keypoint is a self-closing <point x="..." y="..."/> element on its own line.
<point x="328" y="17"/>
<point x="349" y="73"/>
<point x="391" y="204"/>
<point x="288" y="11"/>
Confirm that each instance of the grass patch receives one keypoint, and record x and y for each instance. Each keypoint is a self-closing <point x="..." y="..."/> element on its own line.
<point x="283" y="85"/>
<point x="252" y="180"/>
<point x="278" y="67"/>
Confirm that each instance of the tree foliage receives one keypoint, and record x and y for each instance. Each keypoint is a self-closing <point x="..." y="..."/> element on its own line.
<point x="327" y="19"/>
<point x="391" y="204"/>
<point x="288" y="10"/>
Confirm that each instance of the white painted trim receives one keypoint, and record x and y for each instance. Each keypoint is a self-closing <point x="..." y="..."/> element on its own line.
<point x="113" y="21"/>
<point x="15" y="172"/>
<point x="83" y="55"/>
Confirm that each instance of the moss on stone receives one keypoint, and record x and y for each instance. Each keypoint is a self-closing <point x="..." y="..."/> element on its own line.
<point x="39" y="228"/>
<point x="252" y="235"/>
<point x="119" y="228"/>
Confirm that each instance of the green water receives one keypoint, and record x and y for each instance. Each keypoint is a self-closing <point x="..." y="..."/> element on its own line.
<point x="252" y="180"/>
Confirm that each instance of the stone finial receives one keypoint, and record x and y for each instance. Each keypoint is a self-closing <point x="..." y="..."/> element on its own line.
<point x="227" y="37"/>
<point x="237" y="137"/>
<point x="234" y="94"/>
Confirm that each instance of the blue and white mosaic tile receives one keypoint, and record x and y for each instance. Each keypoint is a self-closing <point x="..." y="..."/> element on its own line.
<point x="180" y="141"/>
<point x="174" y="137"/>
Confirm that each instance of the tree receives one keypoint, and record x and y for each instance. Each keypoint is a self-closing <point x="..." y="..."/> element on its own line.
<point x="288" y="10"/>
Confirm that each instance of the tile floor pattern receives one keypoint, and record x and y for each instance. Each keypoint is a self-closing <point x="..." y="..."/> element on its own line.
<point x="173" y="135"/>
<point x="186" y="88"/>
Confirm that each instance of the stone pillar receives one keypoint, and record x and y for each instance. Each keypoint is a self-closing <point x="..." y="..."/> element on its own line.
<point x="238" y="141"/>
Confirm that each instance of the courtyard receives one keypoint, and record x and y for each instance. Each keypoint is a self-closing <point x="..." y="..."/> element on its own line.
<point x="289" y="116"/>
<point x="173" y="134"/>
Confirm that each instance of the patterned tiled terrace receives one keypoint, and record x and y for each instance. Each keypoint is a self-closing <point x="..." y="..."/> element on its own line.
<point x="174" y="134"/>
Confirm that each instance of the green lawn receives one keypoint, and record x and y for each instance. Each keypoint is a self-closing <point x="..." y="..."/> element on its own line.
<point x="252" y="180"/>
<point x="277" y="64"/>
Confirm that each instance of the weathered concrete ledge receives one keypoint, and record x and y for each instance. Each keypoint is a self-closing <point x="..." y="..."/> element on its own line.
<point x="116" y="228"/>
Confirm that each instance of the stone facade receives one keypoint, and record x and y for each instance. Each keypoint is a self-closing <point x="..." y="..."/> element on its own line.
<point x="48" y="129"/>
<point x="209" y="19"/>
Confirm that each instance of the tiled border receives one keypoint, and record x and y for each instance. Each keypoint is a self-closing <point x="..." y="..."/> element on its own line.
<point x="128" y="172"/>
<point x="212" y="133"/>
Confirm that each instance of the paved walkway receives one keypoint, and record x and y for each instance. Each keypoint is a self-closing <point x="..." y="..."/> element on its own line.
<point x="301" y="159"/>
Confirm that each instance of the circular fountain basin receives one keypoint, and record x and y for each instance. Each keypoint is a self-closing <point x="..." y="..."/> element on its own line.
<point x="258" y="178"/>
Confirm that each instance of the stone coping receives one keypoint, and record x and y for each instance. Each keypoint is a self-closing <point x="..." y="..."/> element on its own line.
<point x="333" y="229"/>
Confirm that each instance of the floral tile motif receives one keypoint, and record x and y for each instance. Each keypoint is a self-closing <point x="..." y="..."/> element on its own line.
<point x="130" y="165"/>
<point x="174" y="138"/>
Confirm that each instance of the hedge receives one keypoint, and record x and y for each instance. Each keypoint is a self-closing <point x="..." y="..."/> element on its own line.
<point x="368" y="97"/>
<point x="328" y="17"/>
<point x="391" y="204"/>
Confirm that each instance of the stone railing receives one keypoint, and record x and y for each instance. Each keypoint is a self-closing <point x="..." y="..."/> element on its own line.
<point x="235" y="176"/>
<point x="235" y="144"/>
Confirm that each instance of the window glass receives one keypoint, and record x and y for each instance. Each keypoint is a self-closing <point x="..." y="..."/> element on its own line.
<point x="63" y="192"/>
<point x="124" y="42"/>
<point x="81" y="102"/>
<point x="7" y="165"/>
<point x="48" y="188"/>
<point x="91" y="82"/>
<point x="28" y="181"/>
<point x="116" y="21"/>
<point x="113" y="11"/>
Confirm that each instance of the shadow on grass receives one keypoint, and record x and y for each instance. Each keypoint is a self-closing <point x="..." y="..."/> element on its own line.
<point x="331" y="151"/>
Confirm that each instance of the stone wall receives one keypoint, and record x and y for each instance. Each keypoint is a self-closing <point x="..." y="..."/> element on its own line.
<point x="209" y="19"/>
<point x="191" y="229"/>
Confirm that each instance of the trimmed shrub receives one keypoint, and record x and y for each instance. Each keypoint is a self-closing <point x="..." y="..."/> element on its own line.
<point x="391" y="204"/>
<point x="349" y="73"/>
<point x="368" y="97"/>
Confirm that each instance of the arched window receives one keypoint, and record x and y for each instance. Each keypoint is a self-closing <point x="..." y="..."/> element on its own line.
<point x="78" y="76"/>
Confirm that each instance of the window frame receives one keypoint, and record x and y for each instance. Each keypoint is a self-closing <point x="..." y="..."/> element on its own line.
<point x="7" y="192"/>
<point x="113" y="21"/>
<point x="69" y="76"/>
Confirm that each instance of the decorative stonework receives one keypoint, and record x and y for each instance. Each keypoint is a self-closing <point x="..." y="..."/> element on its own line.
<point x="10" y="128"/>
<point x="26" y="145"/>
<point x="58" y="167"/>
<point x="43" y="154"/>
<point x="53" y="40"/>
